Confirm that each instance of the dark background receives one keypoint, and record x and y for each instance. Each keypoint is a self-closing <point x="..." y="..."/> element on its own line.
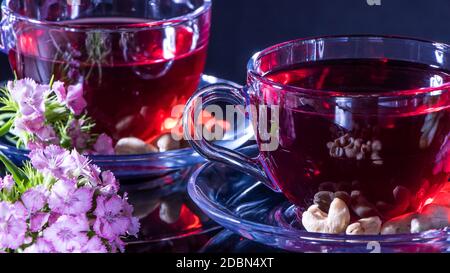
<point x="243" y="27"/>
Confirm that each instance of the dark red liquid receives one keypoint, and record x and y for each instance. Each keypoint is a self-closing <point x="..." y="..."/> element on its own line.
<point x="132" y="78"/>
<point x="412" y="156"/>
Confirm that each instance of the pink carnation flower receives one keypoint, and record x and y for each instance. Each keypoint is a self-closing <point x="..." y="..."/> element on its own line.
<point x="134" y="228"/>
<point x="13" y="225"/>
<point x="66" y="198"/>
<point x="52" y="160"/>
<point x="95" y="245"/>
<point x="7" y="183"/>
<point x="40" y="246"/>
<point x="117" y="245"/>
<point x="35" y="145"/>
<point x="29" y="95"/>
<point x="112" y="220"/>
<point x="104" y="145"/>
<point x="38" y="221"/>
<point x="79" y="138"/>
<point x="110" y="185"/>
<point x="68" y="234"/>
<point x="92" y="173"/>
<point x="79" y="164"/>
<point x="53" y="217"/>
<point x="47" y="134"/>
<point x="72" y="97"/>
<point x="34" y="199"/>
<point x="28" y="124"/>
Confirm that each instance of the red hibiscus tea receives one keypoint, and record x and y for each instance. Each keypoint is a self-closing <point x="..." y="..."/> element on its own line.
<point x="134" y="69"/>
<point x="365" y="115"/>
<point x="359" y="145"/>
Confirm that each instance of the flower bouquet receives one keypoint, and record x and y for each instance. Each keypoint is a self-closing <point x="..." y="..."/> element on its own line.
<point x="58" y="201"/>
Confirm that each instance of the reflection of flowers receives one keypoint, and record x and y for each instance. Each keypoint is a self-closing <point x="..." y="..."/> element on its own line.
<point x="443" y="157"/>
<point x="98" y="48"/>
<point x="66" y="54"/>
<point x="429" y="129"/>
<point x="132" y="52"/>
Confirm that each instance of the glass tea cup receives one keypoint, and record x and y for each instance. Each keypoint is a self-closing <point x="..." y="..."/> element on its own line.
<point x="366" y="115"/>
<point x="136" y="59"/>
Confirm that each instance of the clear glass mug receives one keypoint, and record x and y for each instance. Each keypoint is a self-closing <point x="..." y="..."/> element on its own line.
<point x="136" y="59"/>
<point x="406" y="132"/>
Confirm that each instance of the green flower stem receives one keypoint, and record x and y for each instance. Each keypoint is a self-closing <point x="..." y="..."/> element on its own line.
<point x="6" y="127"/>
<point x="16" y="172"/>
<point x="55" y="112"/>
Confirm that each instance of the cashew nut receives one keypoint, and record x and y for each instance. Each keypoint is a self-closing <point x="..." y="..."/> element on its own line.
<point x="400" y="224"/>
<point x="142" y="210"/>
<point x="132" y="145"/>
<point x="431" y="217"/>
<point x="365" y="226"/>
<point x="336" y="221"/>
<point x="170" y="209"/>
<point x="167" y="143"/>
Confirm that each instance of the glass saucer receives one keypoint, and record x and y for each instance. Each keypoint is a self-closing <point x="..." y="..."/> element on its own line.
<point x="136" y="168"/>
<point x="227" y="241"/>
<point x="247" y="207"/>
<point x="170" y="221"/>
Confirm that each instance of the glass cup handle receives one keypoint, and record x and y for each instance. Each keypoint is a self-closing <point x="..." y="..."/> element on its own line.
<point x="2" y="33"/>
<point x="209" y="95"/>
<point x="5" y="33"/>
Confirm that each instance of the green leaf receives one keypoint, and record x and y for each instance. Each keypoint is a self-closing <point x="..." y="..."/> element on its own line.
<point x="52" y="81"/>
<point x="15" y="171"/>
<point x="6" y="115"/>
<point x="6" y="127"/>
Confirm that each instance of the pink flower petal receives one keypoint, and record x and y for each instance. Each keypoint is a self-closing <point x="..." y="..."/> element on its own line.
<point x="34" y="200"/>
<point x="68" y="234"/>
<point x="65" y="198"/>
<point x="12" y="226"/>
<point x="38" y="220"/>
<point x="40" y="246"/>
<point x="60" y="91"/>
<point x="104" y="145"/>
<point x="7" y="183"/>
<point x="95" y="245"/>
<point x="75" y="99"/>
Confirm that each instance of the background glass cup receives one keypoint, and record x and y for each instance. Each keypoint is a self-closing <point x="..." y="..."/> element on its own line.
<point x="137" y="59"/>
<point x="402" y="158"/>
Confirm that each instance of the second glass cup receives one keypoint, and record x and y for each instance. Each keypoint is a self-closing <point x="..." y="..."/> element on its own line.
<point x="362" y="114"/>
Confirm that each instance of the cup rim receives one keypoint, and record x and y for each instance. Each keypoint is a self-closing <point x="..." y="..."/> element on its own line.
<point x="252" y="73"/>
<point x="158" y="24"/>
